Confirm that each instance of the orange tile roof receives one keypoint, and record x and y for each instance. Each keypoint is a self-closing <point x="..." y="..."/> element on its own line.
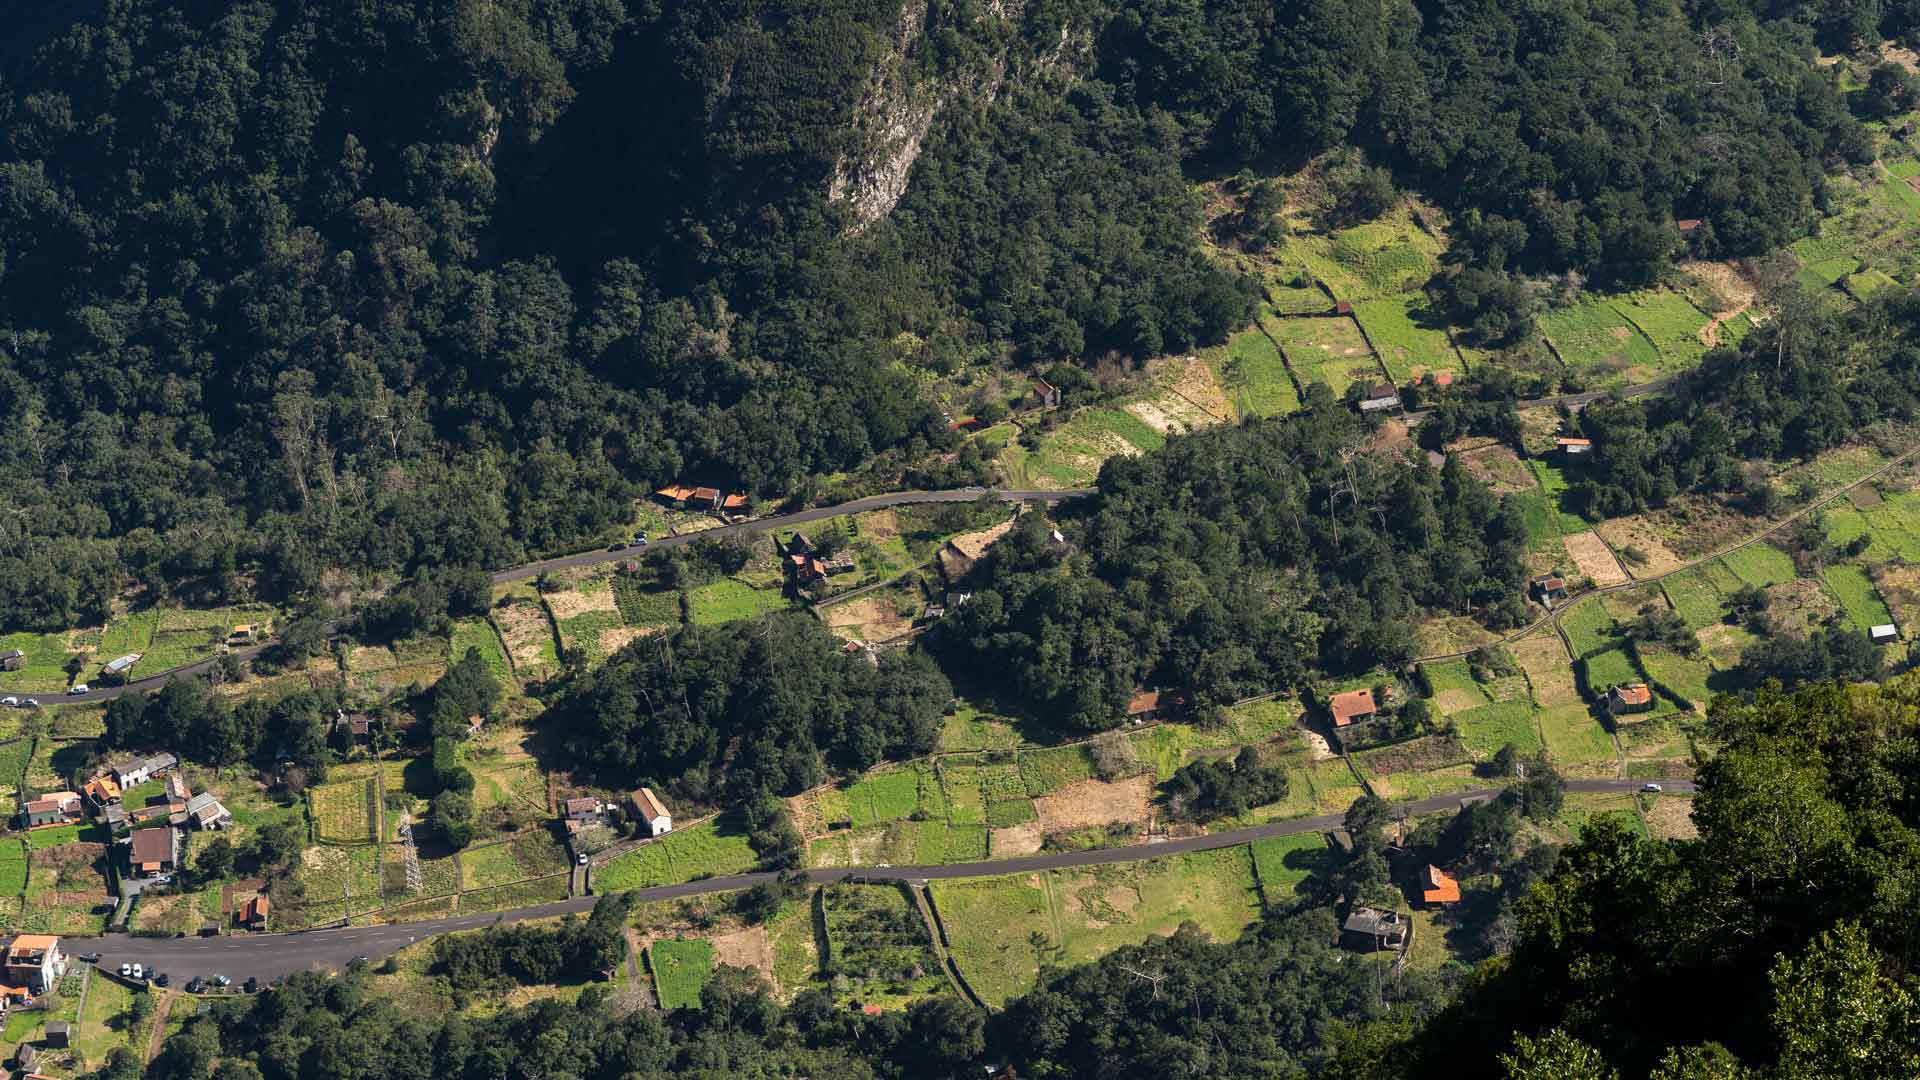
<point x="1350" y="706"/>
<point x="675" y="492"/>
<point x="1439" y="887"/>
<point x="1564" y="441"/>
<point x="1635" y="694"/>
<point x="649" y="804"/>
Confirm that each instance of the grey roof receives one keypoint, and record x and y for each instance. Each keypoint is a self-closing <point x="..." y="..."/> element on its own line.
<point x="11" y="654"/>
<point x="121" y="663"/>
<point x="57" y="1027"/>
<point x="1364" y="920"/>
<point x="202" y="801"/>
<point x="162" y="760"/>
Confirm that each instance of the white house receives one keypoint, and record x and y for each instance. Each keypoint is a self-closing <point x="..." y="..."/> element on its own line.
<point x="35" y="962"/>
<point x="653" y="812"/>
<point x="139" y="770"/>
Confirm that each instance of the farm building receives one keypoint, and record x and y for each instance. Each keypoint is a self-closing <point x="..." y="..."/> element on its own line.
<point x="1883" y="633"/>
<point x="1629" y="698"/>
<point x="1048" y="393"/>
<point x="59" y="1034"/>
<point x="102" y="790"/>
<point x="242" y="632"/>
<point x="1343" y="307"/>
<point x="1437" y="887"/>
<point x="1373" y="930"/>
<point x="137" y="771"/>
<point x="652" y="812"/>
<point x="1548" y="588"/>
<point x="12" y="660"/>
<point x="153" y="852"/>
<point x="704" y="497"/>
<point x="735" y="503"/>
<point x="1380" y="398"/>
<point x="1574" y="447"/>
<point x="207" y="812"/>
<point x="119" y="666"/>
<point x="1687" y="225"/>
<point x="674" y="494"/>
<point x="583" y="811"/>
<point x="52" y="808"/>
<point x="1149" y="704"/>
<point x="1352" y="707"/>
<point x="253" y="914"/>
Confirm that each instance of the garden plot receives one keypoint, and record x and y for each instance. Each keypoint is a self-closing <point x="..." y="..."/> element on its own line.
<point x="729" y="600"/>
<point x="1671" y="322"/>
<point x="1589" y="628"/>
<point x="1452" y="687"/>
<point x="1380" y="258"/>
<point x="1409" y="336"/>
<point x="643" y="602"/>
<point x="1595" y="560"/>
<point x="1695" y="598"/>
<point x="1186" y="398"/>
<point x="588" y="618"/>
<point x="1292" y="292"/>
<point x="1899" y="586"/>
<point x="182" y="636"/>
<point x="1103" y="908"/>
<point x="1579" y="743"/>
<point x="1046" y="771"/>
<point x="1500" y="469"/>
<point x="887" y="796"/>
<point x="524" y="626"/>
<point x="1090" y="803"/>
<point x="1598" y="342"/>
<point x="1254" y="376"/>
<point x="1760" y="564"/>
<point x="680" y="971"/>
<point x="1638" y="535"/>
<point x="1487" y="728"/>
<point x="477" y="635"/>
<point x="337" y="882"/>
<point x="44" y="667"/>
<point x="1328" y="349"/>
<point x="877" y="616"/>
<point x="1671" y="818"/>
<point x="1858" y="598"/>
<point x="1826" y="273"/>
<point x="343" y="813"/>
<point x="1070" y="456"/>
<point x="990" y="926"/>
<point x="970" y="729"/>
<point x="877" y="940"/>
<point x="682" y="855"/>
<point x="1553" y="488"/>
<point x="1682" y="678"/>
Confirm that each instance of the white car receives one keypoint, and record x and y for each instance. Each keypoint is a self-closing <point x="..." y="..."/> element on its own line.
<point x="139" y="972"/>
<point x="77" y="688"/>
<point x="1651" y="789"/>
<point x="126" y="970"/>
<point x="9" y="701"/>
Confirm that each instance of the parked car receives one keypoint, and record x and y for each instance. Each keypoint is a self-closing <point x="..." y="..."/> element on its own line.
<point x="29" y="703"/>
<point x="1652" y="789"/>
<point x="139" y="973"/>
<point x="126" y="970"/>
<point x="617" y="545"/>
<point x="251" y="986"/>
<point x="9" y="702"/>
<point x="580" y="859"/>
<point x="222" y="980"/>
<point x="162" y="979"/>
<point x="77" y="688"/>
<point x="89" y="957"/>
<point x="196" y="984"/>
<point x="640" y="541"/>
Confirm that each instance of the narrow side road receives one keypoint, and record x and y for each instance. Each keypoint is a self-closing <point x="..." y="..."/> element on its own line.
<point x="269" y="956"/>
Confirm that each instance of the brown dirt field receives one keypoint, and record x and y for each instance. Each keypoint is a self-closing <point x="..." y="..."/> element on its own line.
<point x="867" y="846"/>
<point x="614" y="639"/>
<point x="1453" y="701"/>
<point x="1317" y="748"/>
<point x="1721" y="642"/>
<point x="1501" y="469"/>
<point x="1451" y="634"/>
<point x="870" y="618"/>
<point x="1093" y="802"/>
<point x="749" y="948"/>
<point x="567" y="603"/>
<point x="1628" y="605"/>
<point x="1906" y="58"/>
<point x="1900" y="587"/>
<point x="975" y="544"/>
<point x="1393" y="439"/>
<point x="1725" y="280"/>
<point x="1671" y="819"/>
<point x="879" y="525"/>
<point x="525" y="629"/>
<point x="1544" y="659"/>
<point x="1640" y="533"/>
<point x="1866" y="497"/>
<point x="1590" y="554"/>
<point x="1015" y="840"/>
<point x="1197" y="385"/>
<point x="1800" y="605"/>
<point x="370" y="658"/>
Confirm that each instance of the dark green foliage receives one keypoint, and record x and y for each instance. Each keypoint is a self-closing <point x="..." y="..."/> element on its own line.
<point x="467" y="690"/>
<point x="1831" y="652"/>
<point x="1210" y="788"/>
<point x="775" y="696"/>
<point x="576" y="950"/>
<point x="1226" y="565"/>
<point x="202" y="726"/>
<point x="451" y="814"/>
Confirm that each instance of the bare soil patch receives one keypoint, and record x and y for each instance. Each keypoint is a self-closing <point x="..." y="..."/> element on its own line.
<point x="567" y="603"/>
<point x="1906" y="58"/>
<point x="615" y="638"/>
<point x="1642" y="535"/>
<point x="1595" y="561"/>
<point x="866" y="847"/>
<point x="958" y="555"/>
<point x="1501" y="469"/>
<point x="1900" y="587"/>
<point x="524" y="627"/>
<point x="749" y="948"/>
<point x="1317" y="748"/>
<point x="1866" y="496"/>
<point x="1800" y="605"/>
<point x="1093" y="802"/>
<point x="1671" y="819"/>
<point x="1197" y="386"/>
<point x="1393" y="439"/>
<point x="1549" y="671"/>
<point x="870" y="618"/>
<point x="1453" y="701"/>
<point x="1015" y="840"/>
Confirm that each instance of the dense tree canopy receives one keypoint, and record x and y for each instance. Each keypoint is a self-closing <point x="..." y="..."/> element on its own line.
<point x="745" y="709"/>
<point x="1230" y="563"/>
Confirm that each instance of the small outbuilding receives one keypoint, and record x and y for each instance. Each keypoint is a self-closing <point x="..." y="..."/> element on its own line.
<point x="59" y="1033"/>
<point x="1548" y="588"/>
<point x="1381" y="397"/>
<point x="1373" y="930"/>
<point x="12" y="660"/>
<point x="1437" y="887"/>
<point x="1629" y="698"/>
<point x="1883" y="633"/>
<point x="1574" y="447"/>
<point x="652" y="812"/>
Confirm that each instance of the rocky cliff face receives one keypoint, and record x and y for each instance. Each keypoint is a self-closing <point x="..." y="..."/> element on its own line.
<point x="902" y="101"/>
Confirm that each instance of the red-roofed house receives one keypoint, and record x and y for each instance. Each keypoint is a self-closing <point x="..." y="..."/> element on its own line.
<point x="1574" y="447"/>
<point x="1352" y="707"/>
<point x="1630" y="698"/>
<point x="653" y="812"/>
<point x="1438" y="887"/>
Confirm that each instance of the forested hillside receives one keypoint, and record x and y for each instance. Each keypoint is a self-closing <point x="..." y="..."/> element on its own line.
<point x="290" y="287"/>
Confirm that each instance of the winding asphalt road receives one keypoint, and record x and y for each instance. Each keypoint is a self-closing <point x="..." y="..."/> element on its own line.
<point x="269" y="956"/>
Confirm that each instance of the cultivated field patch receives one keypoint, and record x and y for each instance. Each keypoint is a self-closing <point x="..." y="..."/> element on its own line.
<point x="1409" y="335"/>
<point x="990" y="925"/>
<point x="1103" y="908"/>
<point x="680" y="968"/>
<point x="1254" y="376"/>
<point x="343" y="813"/>
<point x="1095" y="802"/>
<point x="1595" y="560"/>
<point x="1327" y="349"/>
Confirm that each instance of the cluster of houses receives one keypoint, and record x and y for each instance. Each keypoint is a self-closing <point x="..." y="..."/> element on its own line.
<point x="688" y="497"/>
<point x="578" y="815"/>
<point x="806" y="564"/>
<point x="148" y="835"/>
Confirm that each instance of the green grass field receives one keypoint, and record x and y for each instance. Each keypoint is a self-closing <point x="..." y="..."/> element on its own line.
<point x="1487" y="728"/>
<point x="1291" y="298"/>
<point x="44" y="668"/>
<point x="680" y="971"/>
<point x="13" y="868"/>
<point x="1408" y="336"/>
<point x="727" y="600"/>
<point x="1693" y="595"/>
<point x="1100" y="909"/>
<point x="1678" y="675"/>
<point x="1255" y="377"/>
<point x="989" y="923"/>
<point x="1670" y="321"/>
<point x="1608" y="668"/>
<point x="1760" y="564"/>
<point x="1553" y="489"/>
<point x="1858" y="597"/>
<point x="1574" y="737"/>
<point x="1282" y="863"/>
<point x="1071" y="455"/>
<point x="1825" y="273"/>
<point x="1595" y="339"/>
<point x="478" y="634"/>
<point x="342" y="813"/>
<point x="883" y="797"/>
<point x="1588" y="627"/>
<point x="1866" y="283"/>
<point x="642" y="603"/>
<point x="1327" y="349"/>
<point x="1046" y="771"/>
<point x="683" y="855"/>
